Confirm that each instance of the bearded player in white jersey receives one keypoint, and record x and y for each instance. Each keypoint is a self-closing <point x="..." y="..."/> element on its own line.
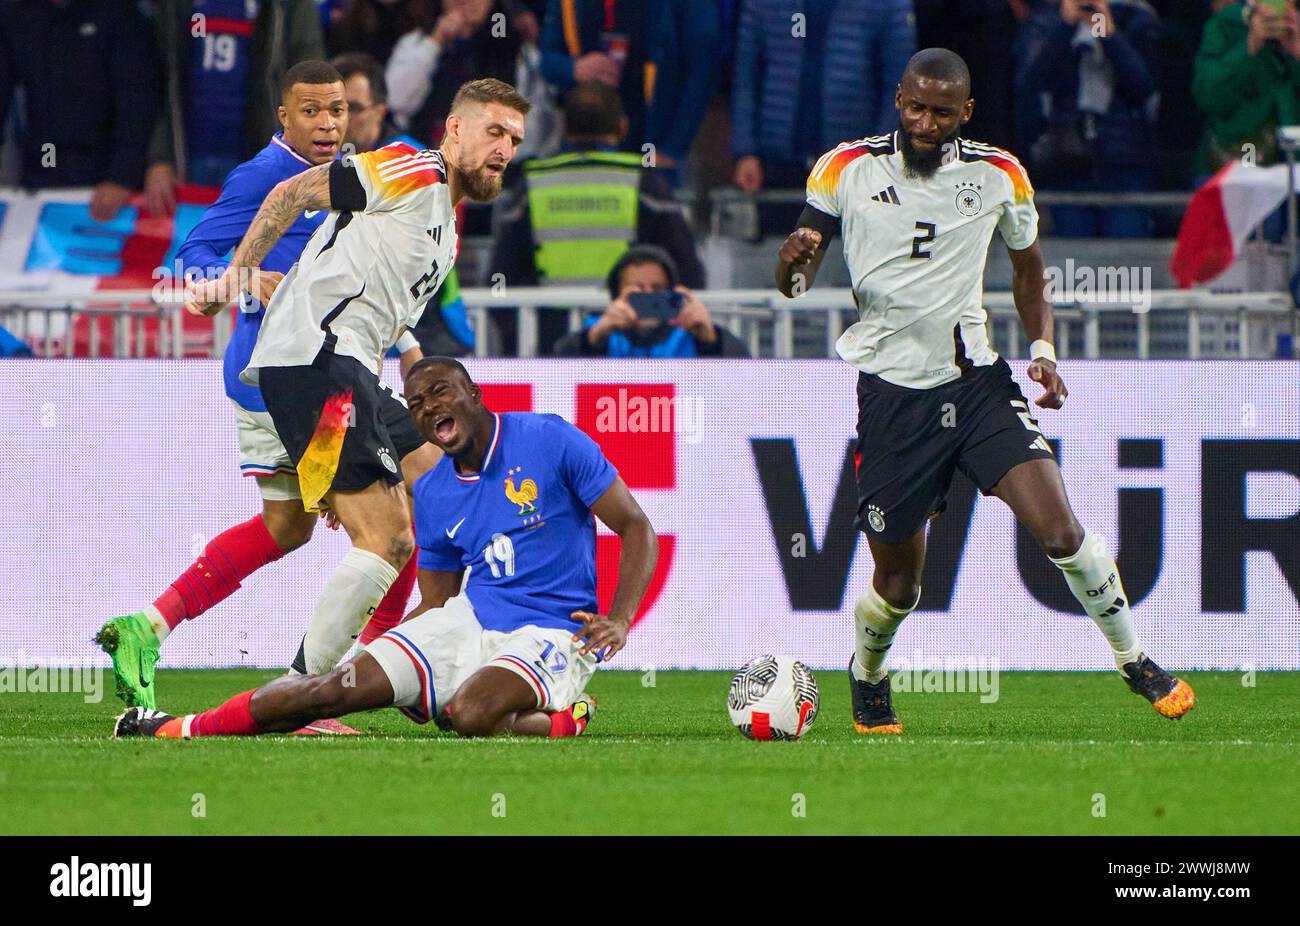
<point x="917" y="208"/>
<point x="363" y="278"/>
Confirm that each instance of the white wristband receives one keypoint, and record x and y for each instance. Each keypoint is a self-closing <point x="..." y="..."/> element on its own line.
<point x="407" y="341"/>
<point x="1042" y="350"/>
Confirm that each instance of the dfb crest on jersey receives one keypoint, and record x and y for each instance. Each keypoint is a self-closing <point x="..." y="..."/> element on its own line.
<point x="968" y="200"/>
<point x="387" y="459"/>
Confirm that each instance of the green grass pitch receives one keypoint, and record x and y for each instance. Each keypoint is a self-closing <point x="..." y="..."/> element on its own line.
<point x="665" y="759"/>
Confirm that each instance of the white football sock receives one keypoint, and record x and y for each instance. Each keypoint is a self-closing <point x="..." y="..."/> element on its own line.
<point x="157" y="621"/>
<point x="350" y="597"/>
<point x="875" y="621"/>
<point x="1094" y="579"/>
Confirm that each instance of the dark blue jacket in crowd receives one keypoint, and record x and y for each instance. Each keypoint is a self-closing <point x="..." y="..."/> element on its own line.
<point x="865" y="47"/>
<point x="682" y="39"/>
<point x="91" y="84"/>
<point x="1047" y="85"/>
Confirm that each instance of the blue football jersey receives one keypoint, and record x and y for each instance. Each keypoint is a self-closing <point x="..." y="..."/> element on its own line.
<point x="523" y="525"/>
<point x="207" y="249"/>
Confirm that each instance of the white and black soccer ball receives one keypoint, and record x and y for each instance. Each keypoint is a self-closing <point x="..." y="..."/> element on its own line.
<point x="773" y="698"/>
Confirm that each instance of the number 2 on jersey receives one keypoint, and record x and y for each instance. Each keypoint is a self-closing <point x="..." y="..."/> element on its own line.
<point x="500" y="555"/>
<point x="927" y="230"/>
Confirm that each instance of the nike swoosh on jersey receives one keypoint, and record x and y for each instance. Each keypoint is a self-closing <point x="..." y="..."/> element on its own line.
<point x="451" y="534"/>
<point x="311" y="212"/>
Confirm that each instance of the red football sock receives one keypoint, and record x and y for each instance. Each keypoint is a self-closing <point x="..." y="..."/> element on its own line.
<point x="229" y="558"/>
<point x="392" y="608"/>
<point x="230" y="719"/>
<point x="563" y="724"/>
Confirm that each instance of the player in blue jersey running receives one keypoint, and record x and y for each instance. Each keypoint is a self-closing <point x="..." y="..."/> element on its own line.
<point x="314" y="113"/>
<point x="511" y="648"/>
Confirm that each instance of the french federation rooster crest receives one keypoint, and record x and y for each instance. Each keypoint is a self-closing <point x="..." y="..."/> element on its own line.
<point x="524" y="496"/>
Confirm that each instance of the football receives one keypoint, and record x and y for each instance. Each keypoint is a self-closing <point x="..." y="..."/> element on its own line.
<point x="773" y="698"/>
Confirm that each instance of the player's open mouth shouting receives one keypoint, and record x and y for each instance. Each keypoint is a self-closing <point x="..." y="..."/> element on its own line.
<point x="436" y="421"/>
<point x="325" y="146"/>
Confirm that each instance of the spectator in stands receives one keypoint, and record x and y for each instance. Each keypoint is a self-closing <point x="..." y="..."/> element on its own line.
<point x="221" y="73"/>
<point x="1087" y="96"/>
<point x="1247" y="82"/>
<point x="687" y="62"/>
<point x="369" y="124"/>
<point x="374" y="26"/>
<point x="469" y="39"/>
<point x="810" y="75"/>
<point x="609" y="41"/>
<point x="443" y="329"/>
<point x="88" y="71"/>
<point x="544" y="224"/>
<point x="619" y="332"/>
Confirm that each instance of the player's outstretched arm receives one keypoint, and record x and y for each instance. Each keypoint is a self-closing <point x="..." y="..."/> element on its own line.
<point x="797" y="261"/>
<point x="1029" y="289"/>
<point x="281" y="208"/>
<point x="619" y="511"/>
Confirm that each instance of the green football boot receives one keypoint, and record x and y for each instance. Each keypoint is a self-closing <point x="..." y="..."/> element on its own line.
<point x="131" y="642"/>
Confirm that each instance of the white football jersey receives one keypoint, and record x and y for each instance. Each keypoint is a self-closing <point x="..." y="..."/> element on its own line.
<point x="916" y="251"/>
<point x="368" y="271"/>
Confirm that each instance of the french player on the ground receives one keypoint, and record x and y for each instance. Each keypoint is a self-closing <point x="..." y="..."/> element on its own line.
<point x="511" y="651"/>
<point x="314" y="113"/>
<point x="917" y="208"/>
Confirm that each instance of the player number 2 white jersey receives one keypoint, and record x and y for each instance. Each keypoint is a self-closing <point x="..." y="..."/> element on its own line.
<point x="916" y="251"/>
<point x="368" y="271"/>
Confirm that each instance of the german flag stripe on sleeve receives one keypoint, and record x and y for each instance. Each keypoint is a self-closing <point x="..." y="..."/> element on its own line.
<point x="398" y="169"/>
<point x="1007" y="163"/>
<point x="825" y="175"/>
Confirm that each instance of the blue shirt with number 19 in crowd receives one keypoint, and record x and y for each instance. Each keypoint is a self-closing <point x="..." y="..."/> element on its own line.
<point x="523" y="524"/>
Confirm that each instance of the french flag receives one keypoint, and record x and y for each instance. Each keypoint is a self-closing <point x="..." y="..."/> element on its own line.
<point x="1220" y="217"/>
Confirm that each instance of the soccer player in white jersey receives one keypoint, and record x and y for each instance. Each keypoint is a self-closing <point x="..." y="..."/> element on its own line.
<point x="363" y="278"/>
<point x="917" y="208"/>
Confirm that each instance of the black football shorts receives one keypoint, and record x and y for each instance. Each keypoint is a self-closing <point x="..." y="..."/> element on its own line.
<point x="342" y="427"/>
<point x="910" y="442"/>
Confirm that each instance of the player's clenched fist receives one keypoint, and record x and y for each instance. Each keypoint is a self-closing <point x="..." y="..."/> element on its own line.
<point x="208" y="297"/>
<point x="602" y="633"/>
<point x="1054" y="391"/>
<point x="800" y="247"/>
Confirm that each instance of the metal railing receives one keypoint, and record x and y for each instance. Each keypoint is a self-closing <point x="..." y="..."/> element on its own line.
<point x="764" y="320"/>
<point x="731" y="209"/>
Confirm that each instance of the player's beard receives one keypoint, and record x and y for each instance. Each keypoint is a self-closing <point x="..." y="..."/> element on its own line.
<point x="479" y="185"/>
<point x="918" y="163"/>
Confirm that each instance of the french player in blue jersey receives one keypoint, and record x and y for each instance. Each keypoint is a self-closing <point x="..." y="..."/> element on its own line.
<point x="314" y="114"/>
<point x="509" y="649"/>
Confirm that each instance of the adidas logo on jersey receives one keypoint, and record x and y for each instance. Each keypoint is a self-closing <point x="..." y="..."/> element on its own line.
<point x="888" y="196"/>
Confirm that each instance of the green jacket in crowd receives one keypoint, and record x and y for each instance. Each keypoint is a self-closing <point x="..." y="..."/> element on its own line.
<point x="1244" y="98"/>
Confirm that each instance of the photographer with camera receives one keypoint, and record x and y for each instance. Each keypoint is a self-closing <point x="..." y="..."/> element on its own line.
<point x="650" y="315"/>
<point x="1086" y="102"/>
<point x="1247" y="81"/>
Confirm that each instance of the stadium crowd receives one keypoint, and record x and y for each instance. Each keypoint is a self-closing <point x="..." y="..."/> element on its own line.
<point x="651" y="101"/>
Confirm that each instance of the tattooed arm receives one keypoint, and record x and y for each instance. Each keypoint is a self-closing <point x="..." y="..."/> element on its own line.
<point x="281" y="208"/>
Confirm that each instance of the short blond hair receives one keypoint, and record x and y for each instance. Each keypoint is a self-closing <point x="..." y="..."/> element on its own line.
<point x="490" y="90"/>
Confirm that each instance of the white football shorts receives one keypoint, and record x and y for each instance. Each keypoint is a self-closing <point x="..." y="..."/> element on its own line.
<point x="262" y="454"/>
<point x="428" y="658"/>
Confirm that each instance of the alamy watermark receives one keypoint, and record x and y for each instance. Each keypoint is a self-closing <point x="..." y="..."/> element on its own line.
<point x="623" y="413"/>
<point x="950" y="675"/>
<point x="18" y="677"/>
<point x="1083" y="283"/>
